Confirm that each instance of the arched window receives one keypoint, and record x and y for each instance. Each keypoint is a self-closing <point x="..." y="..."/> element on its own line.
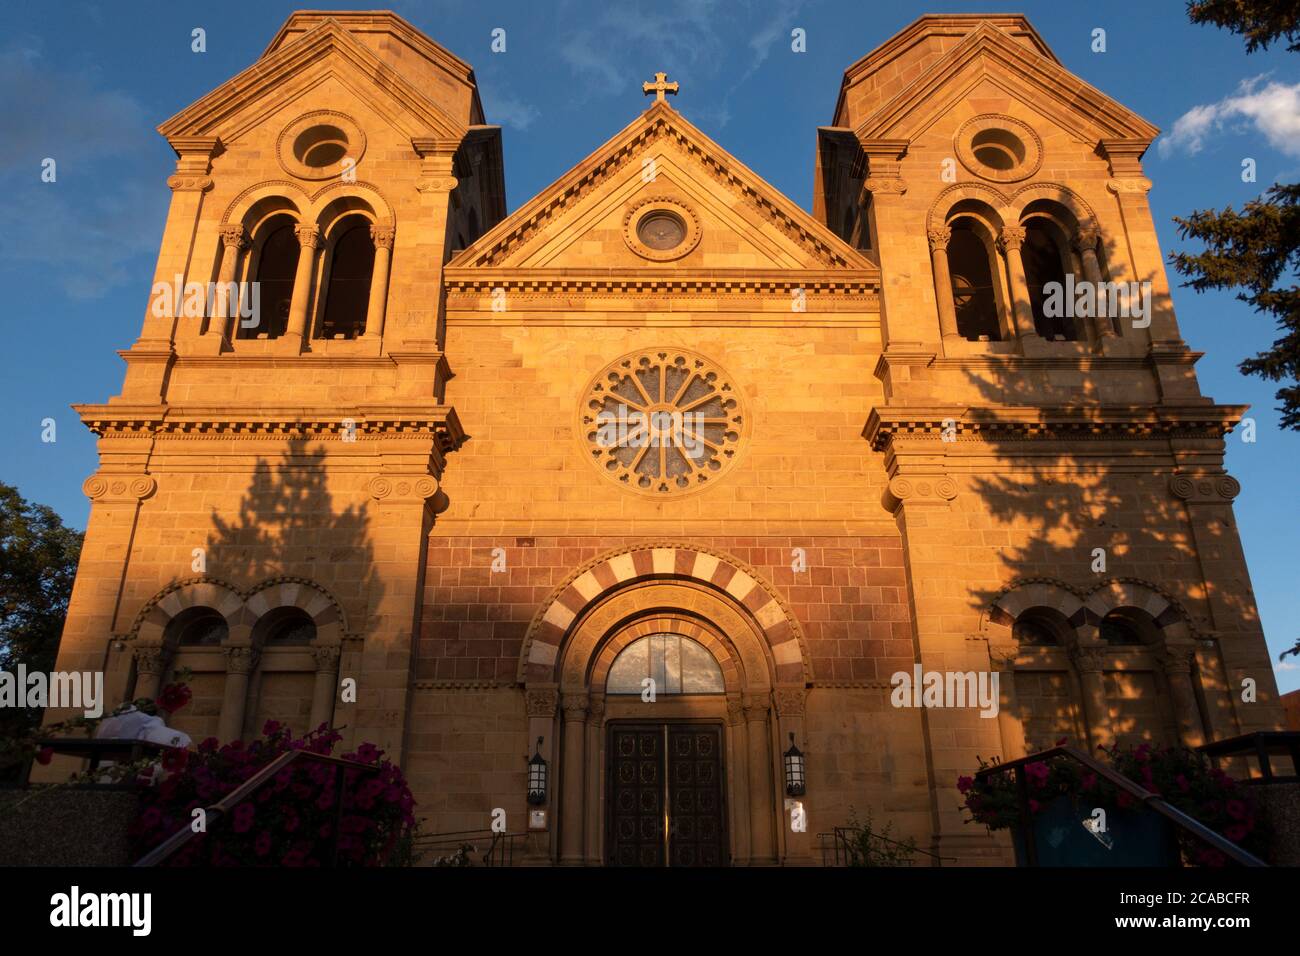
<point x="277" y="260"/>
<point x="1032" y="630"/>
<point x="285" y="626"/>
<point x="973" y="297"/>
<point x="196" y="627"/>
<point x="1045" y="264"/>
<point x="1118" y="628"/>
<point x="347" y="295"/>
<point x="676" y="664"/>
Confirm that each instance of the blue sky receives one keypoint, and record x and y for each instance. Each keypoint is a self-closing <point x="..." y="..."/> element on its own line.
<point x="86" y="85"/>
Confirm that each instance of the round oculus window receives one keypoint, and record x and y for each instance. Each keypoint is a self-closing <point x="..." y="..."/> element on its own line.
<point x="999" y="148"/>
<point x="661" y="230"/>
<point x="320" y="144"/>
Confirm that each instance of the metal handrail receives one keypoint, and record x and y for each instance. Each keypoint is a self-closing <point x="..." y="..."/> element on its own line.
<point x="1152" y="800"/>
<point x="227" y="803"/>
<point x="1261" y="745"/>
<point x="838" y="838"/>
<point x="500" y="848"/>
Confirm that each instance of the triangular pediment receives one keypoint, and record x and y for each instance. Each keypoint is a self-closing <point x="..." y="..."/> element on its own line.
<point x="582" y="220"/>
<point x="327" y="52"/>
<point x="989" y="55"/>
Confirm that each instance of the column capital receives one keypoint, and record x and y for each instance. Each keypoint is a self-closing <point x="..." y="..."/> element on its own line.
<point x="233" y="235"/>
<point x="1176" y="658"/>
<point x="327" y="657"/>
<point x="541" y="703"/>
<point x="575" y="707"/>
<point x="1003" y="655"/>
<point x="790" y="701"/>
<point x="596" y="707"/>
<point x="382" y="233"/>
<point x="149" y="658"/>
<point x="756" y="707"/>
<point x="939" y="238"/>
<point x="1088" y="660"/>
<point x="1013" y="237"/>
<point x="1086" y="239"/>
<point x="308" y="235"/>
<point x="240" y="659"/>
<point x="735" y="709"/>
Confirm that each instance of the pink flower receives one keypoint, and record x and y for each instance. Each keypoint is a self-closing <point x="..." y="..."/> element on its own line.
<point x="44" y="755"/>
<point x="1037" y="772"/>
<point x="244" y="814"/>
<point x="964" y="784"/>
<point x="1034" y="805"/>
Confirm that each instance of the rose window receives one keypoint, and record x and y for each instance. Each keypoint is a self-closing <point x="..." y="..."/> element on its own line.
<point x="663" y="422"/>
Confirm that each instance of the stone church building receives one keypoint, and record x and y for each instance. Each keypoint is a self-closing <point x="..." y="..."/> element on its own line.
<point x="660" y="472"/>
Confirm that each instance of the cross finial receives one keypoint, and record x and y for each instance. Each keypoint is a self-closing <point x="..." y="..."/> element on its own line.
<point x="659" y="87"/>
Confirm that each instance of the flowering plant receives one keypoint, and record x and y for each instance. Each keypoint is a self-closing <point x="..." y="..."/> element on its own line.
<point x="293" y="819"/>
<point x="1182" y="777"/>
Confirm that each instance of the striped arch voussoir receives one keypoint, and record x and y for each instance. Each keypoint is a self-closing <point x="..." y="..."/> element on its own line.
<point x="664" y="560"/>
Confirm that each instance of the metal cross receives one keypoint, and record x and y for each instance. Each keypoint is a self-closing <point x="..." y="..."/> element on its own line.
<point x="659" y="87"/>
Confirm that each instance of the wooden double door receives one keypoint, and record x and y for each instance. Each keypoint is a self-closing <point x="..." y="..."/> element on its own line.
<point x="666" y="795"/>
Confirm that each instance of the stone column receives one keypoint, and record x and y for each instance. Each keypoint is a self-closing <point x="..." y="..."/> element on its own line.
<point x="738" y="771"/>
<point x="574" y="770"/>
<point x="308" y="241"/>
<point x="1002" y="660"/>
<point x="595" y="730"/>
<point x="1085" y="243"/>
<point x="150" y="665"/>
<point x="327" y="678"/>
<point x="762" y="852"/>
<point x="240" y="662"/>
<point x="1022" y="313"/>
<point x="1096" y="718"/>
<point x="219" y="331"/>
<point x="382" y="235"/>
<point x="943" y="283"/>
<point x="1176" y="660"/>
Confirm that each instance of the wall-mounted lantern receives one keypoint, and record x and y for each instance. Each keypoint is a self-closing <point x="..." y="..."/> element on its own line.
<point x="537" y="777"/>
<point x="795" y="781"/>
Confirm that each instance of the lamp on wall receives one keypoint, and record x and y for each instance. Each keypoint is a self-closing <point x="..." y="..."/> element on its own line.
<point x="537" y="777"/>
<point x="795" y="780"/>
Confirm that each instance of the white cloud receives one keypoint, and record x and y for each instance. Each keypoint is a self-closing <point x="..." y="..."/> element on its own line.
<point x="507" y="110"/>
<point x="1272" y="109"/>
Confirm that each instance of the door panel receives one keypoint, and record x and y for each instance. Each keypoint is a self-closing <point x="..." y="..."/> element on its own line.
<point x="666" y="775"/>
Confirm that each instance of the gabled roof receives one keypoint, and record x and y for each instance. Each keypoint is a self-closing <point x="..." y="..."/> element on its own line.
<point x="517" y="231"/>
<point x="1027" y="69"/>
<point x="329" y="48"/>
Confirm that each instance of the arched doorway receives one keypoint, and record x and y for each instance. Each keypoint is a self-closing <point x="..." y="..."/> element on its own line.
<point x="691" y="775"/>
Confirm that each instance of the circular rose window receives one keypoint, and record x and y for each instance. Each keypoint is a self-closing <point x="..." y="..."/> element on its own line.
<point x="662" y="422"/>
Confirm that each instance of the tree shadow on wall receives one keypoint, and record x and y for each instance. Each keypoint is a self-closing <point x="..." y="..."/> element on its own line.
<point x="287" y="524"/>
<point x="1070" y="494"/>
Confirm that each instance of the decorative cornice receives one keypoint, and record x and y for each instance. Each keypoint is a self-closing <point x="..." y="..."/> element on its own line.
<point x="1027" y="423"/>
<point x="853" y="283"/>
<point x="176" y="421"/>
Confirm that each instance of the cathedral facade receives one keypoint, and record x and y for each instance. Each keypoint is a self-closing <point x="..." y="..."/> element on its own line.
<point x="661" y="479"/>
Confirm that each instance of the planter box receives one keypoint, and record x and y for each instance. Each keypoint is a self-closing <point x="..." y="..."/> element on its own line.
<point x="1137" y="838"/>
